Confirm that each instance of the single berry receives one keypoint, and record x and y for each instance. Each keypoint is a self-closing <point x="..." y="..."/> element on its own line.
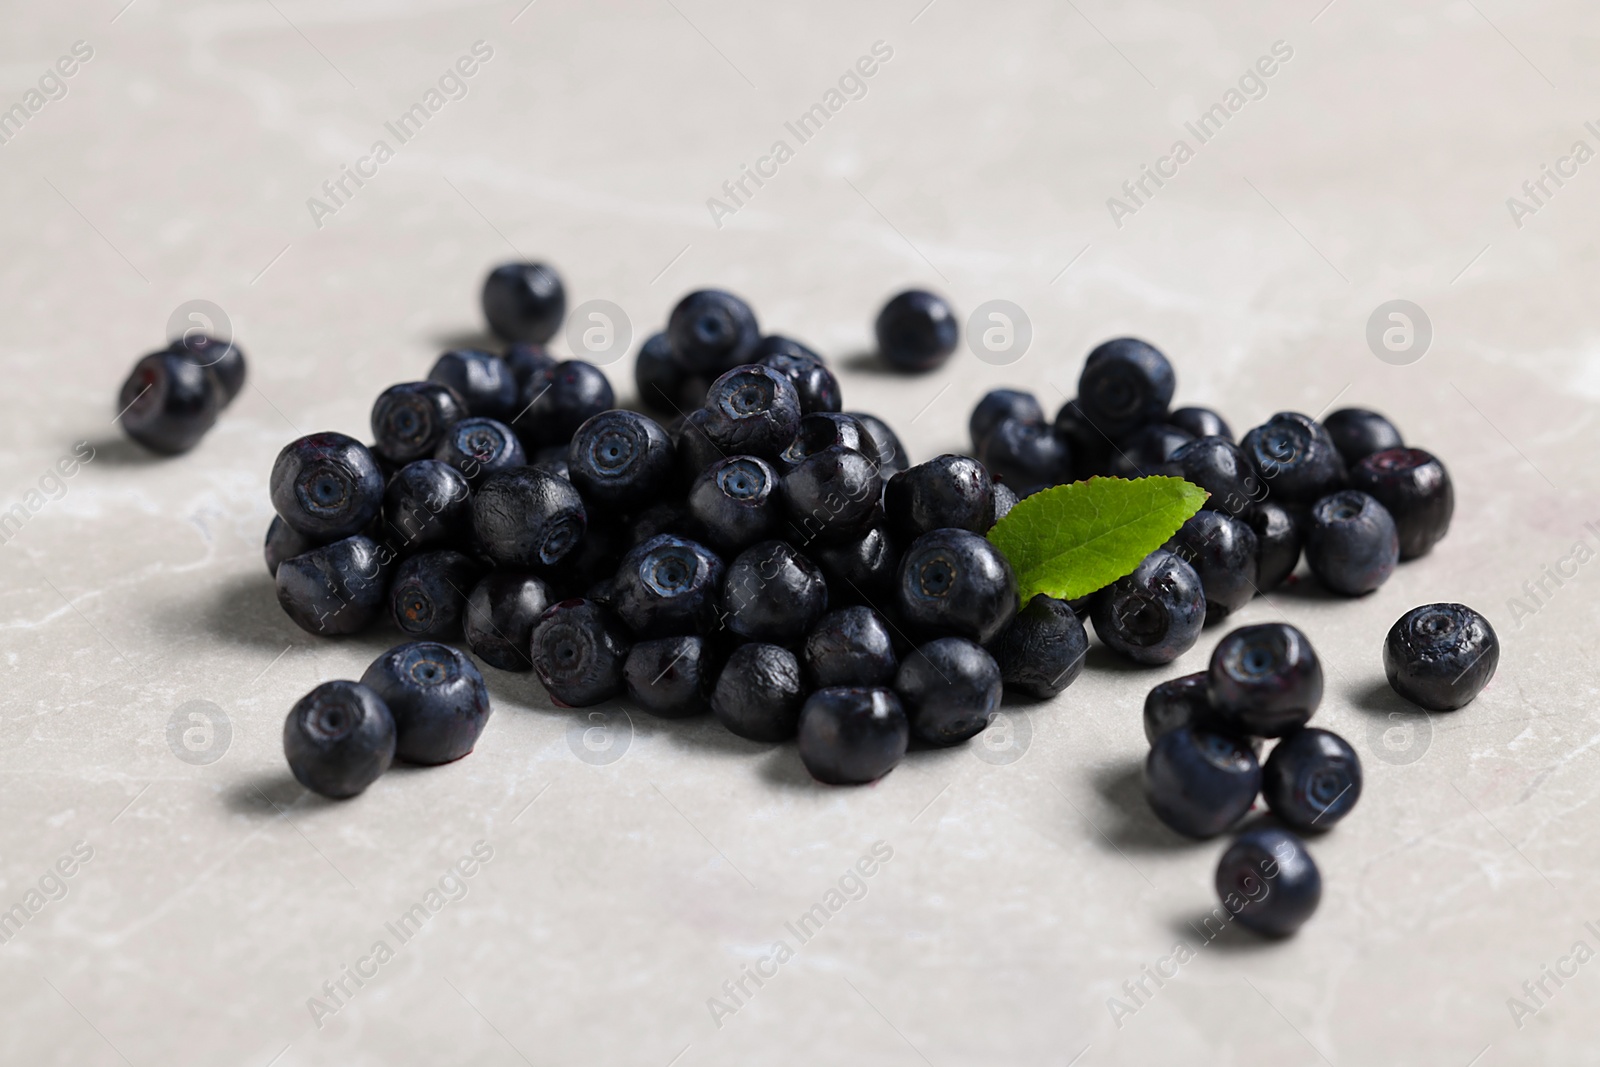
<point x="1200" y="783"/>
<point x="1027" y="456"/>
<point x="813" y="382"/>
<point x="833" y="495"/>
<point x="998" y="405"/>
<point x="438" y="699"/>
<point x="1415" y="489"/>
<point x="850" y="646"/>
<point x="950" y="687"/>
<point x="410" y="419"/>
<point x="1216" y="465"/>
<point x="1279" y="531"/>
<point x="859" y="571"/>
<point x="1041" y="652"/>
<point x="477" y="447"/>
<point x="735" y="503"/>
<point x="502" y="610"/>
<point x="1268" y="881"/>
<point x="773" y="593"/>
<point x="954" y="583"/>
<point x="427" y="504"/>
<point x="1125" y="384"/>
<point x="670" y="677"/>
<point x="1223" y="552"/>
<point x="555" y="401"/>
<point x="326" y="486"/>
<point x="1153" y="615"/>
<point x="916" y="331"/>
<point x="1178" y="702"/>
<point x="486" y="384"/>
<point x="527" y="517"/>
<point x="758" y="694"/>
<point x="1264" y="680"/>
<point x="169" y="402"/>
<point x="338" y="739"/>
<point x="578" y="649"/>
<point x="223" y="360"/>
<point x="429" y="593"/>
<point x="283" y="543"/>
<point x="712" y="331"/>
<point x="1199" y="422"/>
<point x="892" y="456"/>
<point x="1440" y="656"/>
<point x="754" y="411"/>
<point x="336" y="588"/>
<point x="621" y="460"/>
<point x="1312" y="779"/>
<point x="1357" y="433"/>
<point x="1352" y="545"/>
<point x="524" y="302"/>
<point x="851" y="735"/>
<point x="666" y="587"/>
<point x="823" y="430"/>
<point x="1295" y="457"/>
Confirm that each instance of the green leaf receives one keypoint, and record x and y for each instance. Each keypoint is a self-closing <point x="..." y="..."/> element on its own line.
<point x="1068" y="541"/>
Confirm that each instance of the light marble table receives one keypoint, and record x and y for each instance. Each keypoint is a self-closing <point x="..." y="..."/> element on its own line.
<point x="1025" y="883"/>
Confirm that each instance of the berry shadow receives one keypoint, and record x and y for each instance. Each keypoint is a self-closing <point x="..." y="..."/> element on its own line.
<point x="1100" y="658"/>
<point x="1134" y="826"/>
<point x="869" y="363"/>
<point x="119" y="451"/>
<point x="267" y="795"/>
<point x="1379" y="699"/>
<point x="1304" y="586"/>
<point x="466" y="339"/>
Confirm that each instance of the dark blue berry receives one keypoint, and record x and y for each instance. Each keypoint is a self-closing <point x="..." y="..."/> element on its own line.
<point x="712" y="331"/>
<point x="438" y="699"/>
<point x="283" y="542"/>
<point x="338" y="739"/>
<point x="917" y="331"/>
<point x="578" y="650"/>
<point x="1295" y="457"/>
<point x="833" y="495"/>
<point x="555" y="401"/>
<point x="527" y="517"/>
<point x="427" y="504"/>
<point x="892" y="456"/>
<point x="1268" y="881"/>
<point x="851" y="735"/>
<point x="823" y="430"/>
<point x="859" y="571"/>
<point x="1042" y="651"/>
<point x="336" y="588"/>
<point x="664" y="384"/>
<point x="947" y="492"/>
<point x="949" y="688"/>
<point x="1415" y="489"/>
<point x="1352" y="545"/>
<point x="169" y="402"/>
<point x="429" y="593"/>
<point x="670" y="677"/>
<point x="1264" y="680"/>
<point x="524" y="302"/>
<point x="1026" y="456"/>
<point x="1216" y="465"/>
<point x="1153" y="615"/>
<point x="326" y="486"/>
<point x="1312" y="779"/>
<point x="1223" y="552"/>
<point x="478" y="447"/>
<point x="954" y="583"/>
<point x="1357" y="433"/>
<point x="758" y="694"/>
<point x="502" y="610"/>
<point x="998" y="405"/>
<point x="850" y="646"/>
<point x="773" y="593"/>
<point x="1090" y="446"/>
<point x="666" y="587"/>
<point x="1199" y="422"/>
<point x="621" y="460"/>
<point x="525" y="361"/>
<point x="223" y="360"/>
<point x="486" y="384"/>
<point x="410" y="419"/>
<point x="1178" y="702"/>
<point x="813" y="382"/>
<point x="753" y="411"/>
<point x="1279" y="531"/>
<point x="1148" y="451"/>
<point x="1200" y="783"/>
<point x="735" y="501"/>
<point x="1125" y="384"/>
<point x="1440" y="656"/>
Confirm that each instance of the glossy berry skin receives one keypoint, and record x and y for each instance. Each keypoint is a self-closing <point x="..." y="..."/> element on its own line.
<point x="429" y="594"/>
<point x="1357" y="433"/>
<point x="527" y="517"/>
<point x="486" y="384"/>
<point x="822" y="430"/>
<point x="1216" y="465"/>
<point x="477" y="447"/>
<point x="1415" y="489"/>
<point x="1004" y="500"/>
<point x="222" y="360"/>
<point x="834" y="495"/>
<point x="663" y="383"/>
<point x="736" y="503"/>
<point x="168" y="402"/>
<point x="1179" y="702"/>
<point x="326" y="486"/>
<point x="1295" y="457"/>
<point x="438" y="699"/>
<point x="862" y="570"/>
<point x="1125" y="384"/>
<point x="1026" y="456"/>
<point x="892" y="455"/>
<point x="953" y="583"/>
<point x="621" y="459"/>
<point x="851" y="735"/>
<point x="1440" y="656"/>
<point x="1090" y="446"/>
<point x="502" y="610"/>
<point x="916" y="331"/>
<point x="1280" y="531"/>
<point x="1269" y="882"/>
<point x="753" y="411"/>
<point x="1153" y="615"/>
<point x="850" y="646"/>
<point x="578" y="650"/>
<point x="283" y="543"/>
<point x="773" y="593"/>
<point x="949" y="688"/>
<point x="998" y="405"/>
<point x="1223" y="552"/>
<point x="336" y="588"/>
<point x="1200" y="783"/>
<point x="759" y="693"/>
<point x="524" y="302"/>
<point x="813" y="382"/>
<point x="410" y="419"/>
<point x="1148" y="451"/>
<point x="1199" y="422"/>
<point x="338" y="739"/>
<point x="1264" y="681"/>
<point x="666" y="587"/>
<point x="554" y="402"/>
<point x="1042" y="651"/>
<point x="1312" y="779"/>
<point x="670" y="677"/>
<point x="948" y="492"/>
<point x="427" y="504"/>
<point x="712" y="331"/>
<point x="1352" y="544"/>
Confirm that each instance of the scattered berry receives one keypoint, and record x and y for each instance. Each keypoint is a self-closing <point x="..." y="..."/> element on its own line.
<point x="437" y="697"/>
<point x="1268" y="881"/>
<point x="1264" y="680"/>
<point x="1312" y="779"/>
<point x="1200" y="783"/>
<point x="917" y="331"/>
<point x="1125" y="384"/>
<point x="338" y="739"/>
<point x="169" y="402"/>
<point x="1440" y="656"/>
<point x="524" y="302"/>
